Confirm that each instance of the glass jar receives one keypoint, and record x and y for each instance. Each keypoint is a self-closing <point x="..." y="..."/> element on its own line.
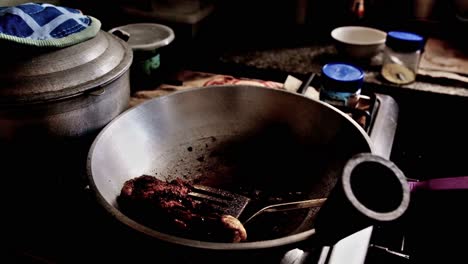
<point x="341" y="84"/>
<point x="401" y="57"/>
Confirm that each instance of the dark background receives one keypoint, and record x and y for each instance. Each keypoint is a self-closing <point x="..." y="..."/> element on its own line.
<point x="432" y="135"/>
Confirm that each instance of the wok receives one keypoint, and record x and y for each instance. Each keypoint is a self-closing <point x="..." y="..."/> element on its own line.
<point x="270" y="145"/>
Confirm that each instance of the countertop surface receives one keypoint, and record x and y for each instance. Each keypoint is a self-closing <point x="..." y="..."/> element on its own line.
<point x="303" y="60"/>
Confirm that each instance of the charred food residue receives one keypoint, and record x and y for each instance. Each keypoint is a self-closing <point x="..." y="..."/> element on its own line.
<point x="168" y="207"/>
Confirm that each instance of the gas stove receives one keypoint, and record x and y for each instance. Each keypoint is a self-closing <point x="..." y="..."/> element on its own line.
<point x="51" y="230"/>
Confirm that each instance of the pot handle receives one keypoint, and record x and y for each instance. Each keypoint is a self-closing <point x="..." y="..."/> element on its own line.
<point x="440" y="184"/>
<point x="371" y="190"/>
<point x="100" y="90"/>
<point x="122" y="34"/>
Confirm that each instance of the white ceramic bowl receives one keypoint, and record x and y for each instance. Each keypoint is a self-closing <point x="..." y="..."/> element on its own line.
<point x="359" y="42"/>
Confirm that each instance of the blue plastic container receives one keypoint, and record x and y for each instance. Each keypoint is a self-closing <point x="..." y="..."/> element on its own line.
<point x="341" y="84"/>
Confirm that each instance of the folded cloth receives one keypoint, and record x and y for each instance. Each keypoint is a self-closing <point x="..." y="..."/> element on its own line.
<point x="46" y="25"/>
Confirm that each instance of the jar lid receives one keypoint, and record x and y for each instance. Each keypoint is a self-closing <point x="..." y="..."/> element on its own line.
<point x="342" y="77"/>
<point x="147" y="36"/>
<point x="404" y="41"/>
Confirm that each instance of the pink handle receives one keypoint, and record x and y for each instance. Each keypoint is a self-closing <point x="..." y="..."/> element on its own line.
<point x="452" y="183"/>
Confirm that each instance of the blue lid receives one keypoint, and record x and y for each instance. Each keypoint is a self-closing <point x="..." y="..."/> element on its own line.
<point x="404" y="41"/>
<point x="342" y="77"/>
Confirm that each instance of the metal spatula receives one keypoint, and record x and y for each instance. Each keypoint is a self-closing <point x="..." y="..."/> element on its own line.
<point x="234" y="204"/>
<point x="225" y="202"/>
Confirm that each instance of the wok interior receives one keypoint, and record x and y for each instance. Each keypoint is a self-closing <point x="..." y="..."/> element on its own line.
<point x="269" y="145"/>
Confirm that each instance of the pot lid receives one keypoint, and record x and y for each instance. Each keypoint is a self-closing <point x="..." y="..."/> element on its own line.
<point x="147" y="36"/>
<point x="31" y="74"/>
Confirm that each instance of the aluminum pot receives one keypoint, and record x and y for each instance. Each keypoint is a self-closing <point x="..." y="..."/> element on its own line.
<point x="67" y="92"/>
<point x="258" y="141"/>
<point x="53" y="102"/>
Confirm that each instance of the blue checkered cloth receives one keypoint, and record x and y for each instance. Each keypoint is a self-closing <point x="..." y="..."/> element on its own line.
<point x="46" y="25"/>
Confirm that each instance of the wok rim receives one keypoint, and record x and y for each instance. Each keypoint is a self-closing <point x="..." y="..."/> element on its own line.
<point x="264" y="244"/>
